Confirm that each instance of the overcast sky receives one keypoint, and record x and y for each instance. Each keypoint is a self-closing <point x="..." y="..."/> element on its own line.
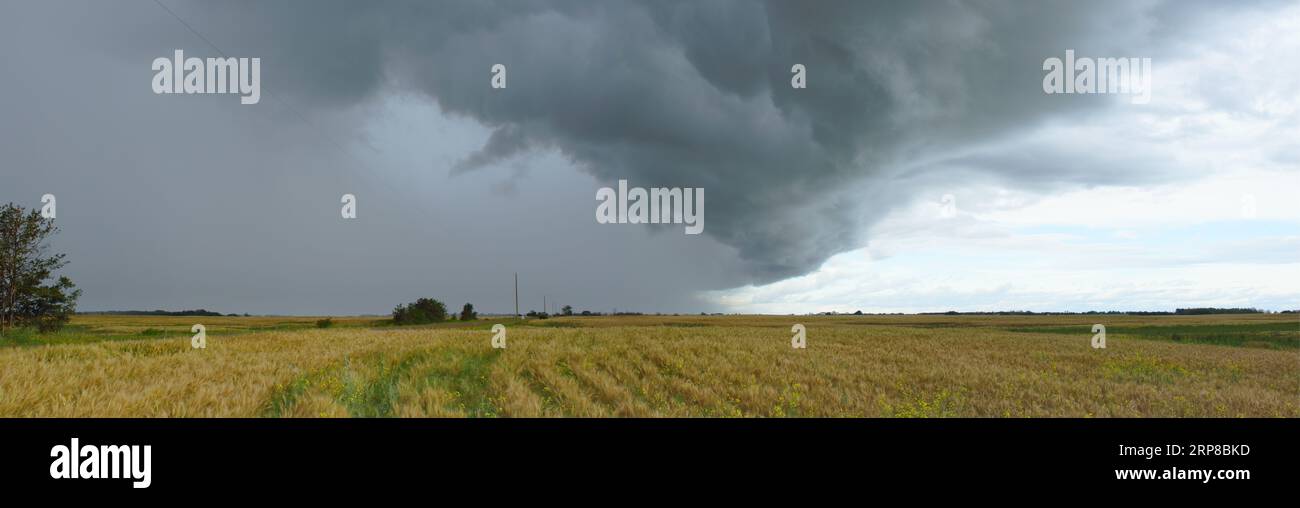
<point x="830" y="197"/>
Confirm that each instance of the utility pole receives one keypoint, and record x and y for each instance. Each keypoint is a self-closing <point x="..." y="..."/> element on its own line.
<point x="516" y="295"/>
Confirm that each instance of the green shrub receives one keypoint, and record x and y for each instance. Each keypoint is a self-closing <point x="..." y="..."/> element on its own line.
<point x="422" y="311"/>
<point x="19" y="336"/>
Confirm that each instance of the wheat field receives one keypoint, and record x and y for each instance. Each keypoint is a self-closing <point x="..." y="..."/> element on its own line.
<point x="661" y="366"/>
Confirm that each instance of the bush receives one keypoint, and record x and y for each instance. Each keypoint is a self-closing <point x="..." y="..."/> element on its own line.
<point x="325" y="323"/>
<point x="49" y="307"/>
<point x="422" y="311"/>
<point x="20" y="336"/>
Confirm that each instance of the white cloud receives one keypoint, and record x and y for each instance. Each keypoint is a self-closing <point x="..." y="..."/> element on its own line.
<point x="1222" y="229"/>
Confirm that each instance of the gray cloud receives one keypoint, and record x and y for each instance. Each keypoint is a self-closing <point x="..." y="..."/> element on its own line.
<point x="697" y="93"/>
<point x="685" y="94"/>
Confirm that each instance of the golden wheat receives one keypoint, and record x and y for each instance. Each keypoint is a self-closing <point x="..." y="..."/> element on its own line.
<point x="652" y="366"/>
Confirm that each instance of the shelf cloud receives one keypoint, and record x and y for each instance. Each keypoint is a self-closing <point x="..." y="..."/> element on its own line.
<point x="902" y="99"/>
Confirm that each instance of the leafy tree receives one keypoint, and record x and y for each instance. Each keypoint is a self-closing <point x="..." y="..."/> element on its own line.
<point x="566" y="310"/>
<point x="49" y="307"/>
<point x="424" y="310"/>
<point x="26" y="299"/>
<point x="467" y="313"/>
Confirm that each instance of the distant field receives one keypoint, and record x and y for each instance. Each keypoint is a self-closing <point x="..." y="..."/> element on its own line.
<point x="653" y="366"/>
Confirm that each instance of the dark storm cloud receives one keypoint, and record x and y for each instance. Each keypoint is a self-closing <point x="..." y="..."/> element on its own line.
<point x="171" y="201"/>
<point x="696" y="94"/>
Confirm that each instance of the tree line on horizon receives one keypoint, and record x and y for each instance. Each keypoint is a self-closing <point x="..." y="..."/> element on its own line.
<point x="195" y="312"/>
<point x="31" y="296"/>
